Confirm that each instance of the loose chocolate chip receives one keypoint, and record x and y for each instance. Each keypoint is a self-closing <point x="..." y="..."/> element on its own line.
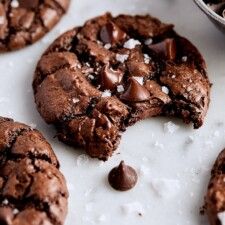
<point x="111" y="33"/>
<point x="123" y="177"/>
<point x="6" y="216"/>
<point x="135" y="92"/>
<point x="110" y="78"/>
<point x="166" y="48"/>
<point x="28" y="4"/>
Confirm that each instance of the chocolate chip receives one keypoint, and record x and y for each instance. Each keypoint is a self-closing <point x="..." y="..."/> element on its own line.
<point x="110" y="78"/>
<point x="28" y="4"/>
<point x="135" y="92"/>
<point x="166" y="48"/>
<point x="123" y="177"/>
<point x="111" y="33"/>
<point x="6" y="216"/>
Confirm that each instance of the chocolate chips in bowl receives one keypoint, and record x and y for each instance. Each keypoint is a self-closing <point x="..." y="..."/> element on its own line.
<point x="215" y="10"/>
<point x="217" y="6"/>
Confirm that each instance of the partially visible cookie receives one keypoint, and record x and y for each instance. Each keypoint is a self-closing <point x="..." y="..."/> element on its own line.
<point x="23" y="22"/>
<point x="215" y="197"/>
<point x="95" y="81"/>
<point x="32" y="189"/>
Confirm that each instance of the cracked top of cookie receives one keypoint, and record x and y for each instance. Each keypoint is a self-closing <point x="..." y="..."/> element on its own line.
<point x="98" y="79"/>
<point x="32" y="189"/>
<point x="22" y="22"/>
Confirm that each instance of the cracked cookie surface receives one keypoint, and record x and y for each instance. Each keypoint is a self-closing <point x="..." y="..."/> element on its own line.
<point x="32" y="189"/>
<point x="96" y="80"/>
<point x="23" y="22"/>
<point x="215" y="197"/>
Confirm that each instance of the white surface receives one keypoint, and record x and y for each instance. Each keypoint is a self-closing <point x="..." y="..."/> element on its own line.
<point x="186" y="155"/>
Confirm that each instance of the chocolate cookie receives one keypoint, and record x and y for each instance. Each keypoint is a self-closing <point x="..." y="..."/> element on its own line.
<point x="23" y="22"/>
<point x="95" y="81"/>
<point x="215" y="197"/>
<point x="32" y="189"/>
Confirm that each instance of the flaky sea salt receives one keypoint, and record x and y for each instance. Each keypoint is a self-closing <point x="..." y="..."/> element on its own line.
<point x="165" y="188"/>
<point x="140" y="80"/>
<point x="148" y="41"/>
<point x="147" y="59"/>
<point x="2" y="20"/>
<point x="33" y="125"/>
<point x="91" y="77"/>
<point x="14" y="4"/>
<point x="82" y="160"/>
<point x="107" y="46"/>
<point x="121" y="58"/>
<point x="5" y="202"/>
<point x="221" y="217"/>
<point x="131" y="43"/>
<point x="133" y="207"/>
<point x="75" y="100"/>
<point x="165" y="90"/>
<point x="120" y="88"/>
<point x="189" y="140"/>
<point x="184" y="59"/>
<point x="173" y="76"/>
<point x="170" y="127"/>
<point x="15" y="211"/>
<point x="106" y="93"/>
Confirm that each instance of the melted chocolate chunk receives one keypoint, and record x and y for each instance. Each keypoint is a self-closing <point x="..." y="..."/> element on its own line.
<point x="165" y="49"/>
<point x="135" y="92"/>
<point x="110" y="78"/>
<point x="123" y="177"/>
<point x="111" y="33"/>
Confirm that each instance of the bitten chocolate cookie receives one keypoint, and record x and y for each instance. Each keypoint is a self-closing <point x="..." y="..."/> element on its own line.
<point x="215" y="197"/>
<point x="95" y="81"/>
<point x="23" y="22"/>
<point x="32" y="189"/>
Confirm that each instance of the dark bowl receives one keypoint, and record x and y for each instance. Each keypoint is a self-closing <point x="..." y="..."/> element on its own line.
<point x="214" y="17"/>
